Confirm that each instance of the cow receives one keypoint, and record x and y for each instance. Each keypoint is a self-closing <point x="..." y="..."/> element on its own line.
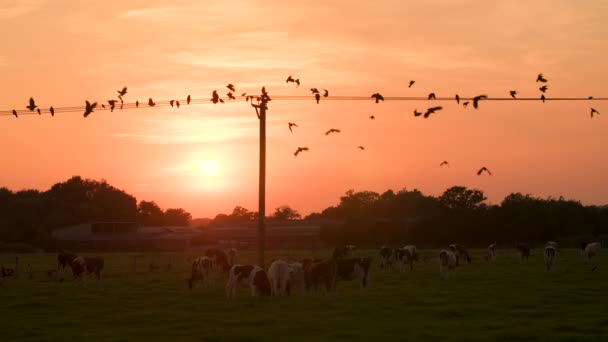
<point x="447" y="263"/>
<point x="354" y="268"/>
<point x="591" y="249"/>
<point x="523" y="250"/>
<point x="320" y="272"/>
<point x="252" y="276"/>
<point x="491" y="252"/>
<point x="386" y="255"/>
<point x="550" y="254"/>
<point x="296" y="278"/>
<point x="220" y="259"/>
<point x="553" y="244"/>
<point x="201" y="271"/>
<point x="406" y="255"/>
<point x="279" y="275"/>
<point x="461" y="252"/>
<point x="82" y="266"/>
<point x="64" y="261"/>
<point x="344" y="251"/>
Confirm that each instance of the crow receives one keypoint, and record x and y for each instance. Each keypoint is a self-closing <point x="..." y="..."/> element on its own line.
<point x="318" y="97"/>
<point x="38" y="109"/>
<point x="378" y="97"/>
<point x="32" y="105"/>
<point x="300" y="149"/>
<point x="112" y="104"/>
<point x="177" y="104"/>
<point x="15" y="113"/>
<point x="543" y="88"/>
<point x="291" y="124"/>
<point x="326" y="93"/>
<point x="314" y="90"/>
<point x="361" y="148"/>
<point x="289" y="79"/>
<point x="372" y="117"/>
<point x="417" y="113"/>
<point x="122" y="93"/>
<point x="476" y="100"/>
<point x="172" y="102"/>
<point x="89" y="107"/>
<point x="542" y="97"/>
<point x="137" y="104"/>
<point x="52" y="110"/>
<point x="465" y="104"/>
<point x="411" y="83"/>
<point x="513" y="93"/>
<point x="230" y="96"/>
<point x="594" y="111"/>
<point x="297" y="82"/>
<point x="541" y="78"/>
<point x="230" y="87"/>
<point x="457" y="99"/>
<point x="243" y="94"/>
<point x="188" y="99"/>
<point x="431" y="111"/>
<point x="333" y="130"/>
<point x="444" y="163"/>
<point x="484" y="169"/>
<point x="432" y="96"/>
<point x="151" y="103"/>
<point x="216" y="98"/>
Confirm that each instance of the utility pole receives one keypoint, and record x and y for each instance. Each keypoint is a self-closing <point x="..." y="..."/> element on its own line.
<point x="260" y="110"/>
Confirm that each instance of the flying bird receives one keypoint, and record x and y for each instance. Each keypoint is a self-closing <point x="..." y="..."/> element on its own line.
<point x="300" y="149"/>
<point x="172" y="102"/>
<point x="476" y="100"/>
<point x="230" y="87"/>
<point x="431" y="111"/>
<point x="417" y="113"/>
<point x="89" y="107"/>
<point x="52" y="110"/>
<point x="432" y="96"/>
<point x="482" y="170"/>
<point x="444" y="163"/>
<point x="378" y="97"/>
<point x="333" y="130"/>
<point x="291" y="124"/>
<point x="318" y="97"/>
<point x="188" y="99"/>
<point x="32" y="105"/>
<point x="457" y="99"/>
<point x="513" y="93"/>
<point x="243" y="94"/>
<point x="465" y="104"/>
<point x="314" y="90"/>
<point x="594" y="111"/>
<point x="542" y="97"/>
<point x="326" y="93"/>
<point x="543" y="88"/>
<point x="122" y="93"/>
<point x="15" y="113"/>
<point x="361" y="148"/>
<point x="411" y="83"/>
<point x="541" y="78"/>
<point x="291" y="79"/>
<point x="151" y="103"/>
<point x="297" y="82"/>
<point x="230" y="96"/>
<point x="372" y="117"/>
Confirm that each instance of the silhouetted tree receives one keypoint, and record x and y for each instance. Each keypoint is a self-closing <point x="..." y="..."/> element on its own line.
<point x="150" y="214"/>
<point x="177" y="217"/>
<point x="286" y="213"/>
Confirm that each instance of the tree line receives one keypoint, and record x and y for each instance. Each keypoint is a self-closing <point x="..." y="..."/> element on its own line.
<point x="32" y="215"/>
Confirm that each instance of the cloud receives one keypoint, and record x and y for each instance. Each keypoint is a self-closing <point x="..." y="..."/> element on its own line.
<point x="15" y="8"/>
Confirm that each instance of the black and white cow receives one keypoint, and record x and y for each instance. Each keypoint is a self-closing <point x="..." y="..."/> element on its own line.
<point x="550" y="254"/>
<point x="251" y="276"/>
<point x="523" y="250"/>
<point x="447" y="263"/>
<point x="406" y="255"/>
<point x="386" y="256"/>
<point x="461" y="253"/>
<point x="354" y="268"/>
<point x="201" y="272"/>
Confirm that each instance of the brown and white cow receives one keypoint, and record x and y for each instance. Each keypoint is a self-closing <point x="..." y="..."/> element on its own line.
<point x="591" y="249"/>
<point x="64" y="261"/>
<point x="251" y="276"/>
<point x="320" y="272"/>
<point x="461" y="253"/>
<point x="201" y="272"/>
<point x="406" y="255"/>
<point x="447" y="263"/>
<point x="523" y="250"/>
<point x="354" y="268"/>
<point x="550" y="255"/>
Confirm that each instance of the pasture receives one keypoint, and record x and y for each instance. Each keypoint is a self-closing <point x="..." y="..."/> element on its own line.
<point x="505" y="300"/>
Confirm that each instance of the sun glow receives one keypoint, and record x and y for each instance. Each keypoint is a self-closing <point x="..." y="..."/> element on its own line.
<point x="208" y="167"/>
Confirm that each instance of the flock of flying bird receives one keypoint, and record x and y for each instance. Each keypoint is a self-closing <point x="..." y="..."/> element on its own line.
<point x="377" y="97"/>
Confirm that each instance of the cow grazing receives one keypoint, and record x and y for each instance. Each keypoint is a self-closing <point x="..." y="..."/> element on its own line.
<point x="322" y="272"/>
<point x="447" y="263"/>
<point x="248" y="275"/>
<point x="201" y="271"/>
<point x="220" y="259"/>
<point x="344" y="251"/>
<point x="461" y="252"/>
<point x="64" y="261"/>
<point x="279" y="275"/>
<point x="491" y="252"/>
<point x="523" y="250"/>
<point x="354" y="268"/>
<point x="386" y="255"/>
<point x="406" y="255"/>
<point x="550" y="254"/>
<point x="591" y="249"/>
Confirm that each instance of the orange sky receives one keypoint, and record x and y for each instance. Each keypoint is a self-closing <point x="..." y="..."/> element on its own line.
<point x="63" y="52"/>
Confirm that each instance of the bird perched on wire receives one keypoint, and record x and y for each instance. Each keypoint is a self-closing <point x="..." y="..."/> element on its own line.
<point x="513" y="93"/>
<point x="32" y="105"/>
<point x="541" y="78"/>
<point x="333" y="130"/>
<point x="151" y="103"/>
<point x="137" y="104"/>
<point x="39" y="113"/>
<point x="482" y="170"/>
<point x="542" y="97"/>
<point x="318" y="97"/>
<point x="215" y="98"/>
<point x="457" y="99"/>
<point x="476" y="100"/>
<point x="594" y="111"/>
<point x="325" y="93"/>
<point x="431" y="110"/>
<point x="300" y="149"/>
<point x="172" y="102"/>
<point x="52" y="110"/>
<point x="417" y="113"/>
<point x="432" y="96"/>
<point x="543" y="88"/>
<point x="361" y="148"/>
<point x="15" y="113"/>
<point x="411" y="83"/>
<point x="122" y="92"/>
<point x="112" y="104"/>
<point x="444" y="163"/>
<point x="230" y="87"/>
<point x="188" y="99"/>
<point x="177" y="104"/>
<point x="291" y="124"/>
<point x="230" y="96"/>
<point x="89" y="107"/>
<point x="378" y="97"/>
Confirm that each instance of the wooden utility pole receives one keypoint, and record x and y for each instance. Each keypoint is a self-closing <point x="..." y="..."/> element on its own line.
<point x="260" y="110"/>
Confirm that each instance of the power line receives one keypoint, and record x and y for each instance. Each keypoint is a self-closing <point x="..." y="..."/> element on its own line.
<point x="161" y="104"/>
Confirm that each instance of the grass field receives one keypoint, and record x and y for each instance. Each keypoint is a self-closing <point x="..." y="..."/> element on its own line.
<point x="506" y="300"/>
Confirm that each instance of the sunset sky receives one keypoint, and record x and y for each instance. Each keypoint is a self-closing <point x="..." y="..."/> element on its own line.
<point x="63" y="52"/>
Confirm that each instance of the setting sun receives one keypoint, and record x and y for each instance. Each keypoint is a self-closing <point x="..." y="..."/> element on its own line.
<point x="208" y="167"/>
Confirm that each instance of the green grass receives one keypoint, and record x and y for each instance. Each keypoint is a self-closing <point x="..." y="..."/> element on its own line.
<point x="507" y="300"/>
